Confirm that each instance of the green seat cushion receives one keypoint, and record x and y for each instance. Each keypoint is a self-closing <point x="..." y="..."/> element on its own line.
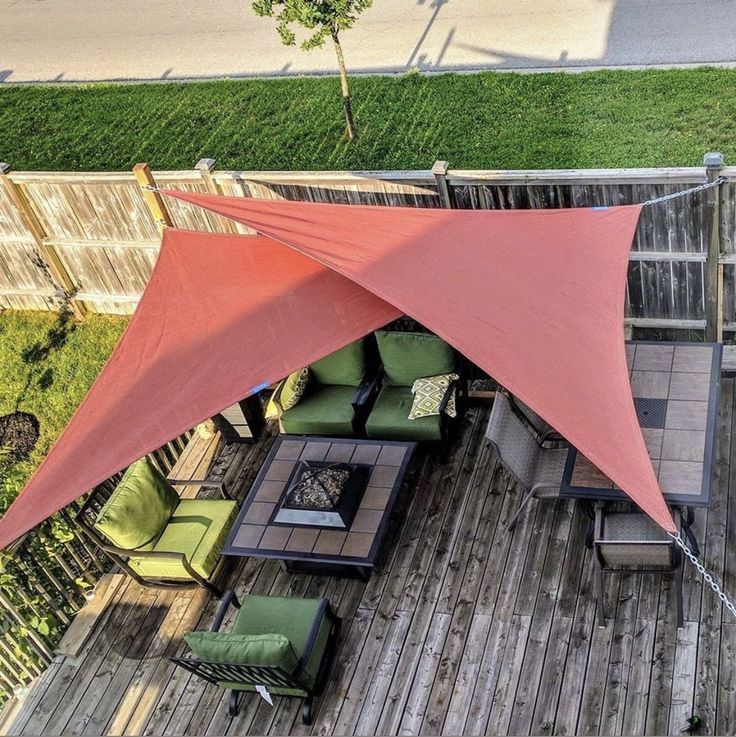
<point x="328" y="410"/>
<point x="292" y="618"/>
<point x="345" y="367"/>
<point x="409" y="356"/>
<point x="389" y="419"/>
<point x="269" y="649"/>
<point x="139" y="507"/>
<point x="198" y="528"/>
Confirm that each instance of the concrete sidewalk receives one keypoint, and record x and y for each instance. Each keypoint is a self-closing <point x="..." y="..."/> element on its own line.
<point x="78" y="40"/>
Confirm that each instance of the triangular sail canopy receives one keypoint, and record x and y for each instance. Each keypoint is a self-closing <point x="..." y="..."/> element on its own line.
<point x="222" y="316"/>
<point x="534" y="297"/>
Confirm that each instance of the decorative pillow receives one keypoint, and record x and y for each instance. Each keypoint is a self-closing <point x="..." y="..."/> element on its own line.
<point x="139" y="508"/>
<point x="428" y="395"/>
<point x="273" y="408"/>
<point x="292" y="389"/>
<point x="271" y="650"/>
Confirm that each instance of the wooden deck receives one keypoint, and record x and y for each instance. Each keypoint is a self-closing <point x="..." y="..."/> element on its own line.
<point x="463" y="629"/>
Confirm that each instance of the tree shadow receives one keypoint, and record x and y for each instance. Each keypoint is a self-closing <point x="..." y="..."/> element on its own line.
<point x="436" y="5"/>
<point x="35" y="355"/>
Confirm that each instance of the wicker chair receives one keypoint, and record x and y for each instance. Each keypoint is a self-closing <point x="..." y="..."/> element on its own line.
<point x="525" y="454"/>
<point x="629" y="541"/>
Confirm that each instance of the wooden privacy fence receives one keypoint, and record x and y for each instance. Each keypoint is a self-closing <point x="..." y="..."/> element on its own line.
<point x="95" y="236"/>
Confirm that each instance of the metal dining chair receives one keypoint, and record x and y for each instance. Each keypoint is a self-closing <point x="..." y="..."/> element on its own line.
<point x="630" y="541"/>
<point x="523" y="451"/>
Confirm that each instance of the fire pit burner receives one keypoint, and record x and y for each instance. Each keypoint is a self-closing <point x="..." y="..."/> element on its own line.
<point x="322" y="494"/>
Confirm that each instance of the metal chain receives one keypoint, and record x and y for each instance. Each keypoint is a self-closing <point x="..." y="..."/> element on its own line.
<point x="707" y="577"/>
<point x="685" y="192"/>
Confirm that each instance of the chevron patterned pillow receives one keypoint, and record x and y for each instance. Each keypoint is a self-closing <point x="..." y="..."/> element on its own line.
<point x="428" y="395"/>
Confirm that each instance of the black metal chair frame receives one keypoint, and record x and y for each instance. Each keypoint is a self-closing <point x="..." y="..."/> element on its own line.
<point x="266" y="675"/>
<point x="594" y="540"/>
<point x="90" y="510"/>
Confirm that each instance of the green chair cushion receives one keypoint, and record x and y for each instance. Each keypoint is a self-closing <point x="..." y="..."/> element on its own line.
<point x="409" y="356"/>
<point x="268" y="649"/>
<point x="345" y="367"/>
<point x="389" y="419"/>
<point x="292" y="618"/>
<point x="198" y="528"/>
<point x="328" y="410"/>
<point x="139" y="507"/>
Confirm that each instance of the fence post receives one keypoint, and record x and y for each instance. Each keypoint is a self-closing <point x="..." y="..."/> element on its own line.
<point x="152" y="196"/>
<point x="60" y="277"/>
<point x="713" y="161"/>
<point x="439" y="169"/>
<point x="205" y="167"/>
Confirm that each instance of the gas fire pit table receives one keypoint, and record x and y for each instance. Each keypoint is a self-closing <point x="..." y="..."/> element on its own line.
<point x="321" y="505"/>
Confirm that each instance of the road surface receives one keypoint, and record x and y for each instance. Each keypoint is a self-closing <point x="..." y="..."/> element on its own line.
<point x="81" y="40"/>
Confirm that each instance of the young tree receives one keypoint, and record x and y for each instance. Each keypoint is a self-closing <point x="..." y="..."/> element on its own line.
<point x="325" y="18"/>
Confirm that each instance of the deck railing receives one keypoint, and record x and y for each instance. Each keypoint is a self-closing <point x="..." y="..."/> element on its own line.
<point x="45" y="579"/>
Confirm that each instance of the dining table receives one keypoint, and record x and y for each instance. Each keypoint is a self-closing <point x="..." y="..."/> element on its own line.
<point x="675" y="386"/>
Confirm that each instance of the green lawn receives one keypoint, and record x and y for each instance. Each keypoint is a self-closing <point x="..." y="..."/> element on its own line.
<point x="47" y="365"/>
<point x="489" y="120"/>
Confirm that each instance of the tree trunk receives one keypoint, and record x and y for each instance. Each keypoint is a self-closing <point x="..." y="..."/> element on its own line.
<point x="352" y="132"/>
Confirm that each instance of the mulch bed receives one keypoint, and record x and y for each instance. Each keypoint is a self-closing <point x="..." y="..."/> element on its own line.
<point x="18" y="436"/>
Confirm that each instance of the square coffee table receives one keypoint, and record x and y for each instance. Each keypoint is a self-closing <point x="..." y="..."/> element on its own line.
<point x="321" y="550"/>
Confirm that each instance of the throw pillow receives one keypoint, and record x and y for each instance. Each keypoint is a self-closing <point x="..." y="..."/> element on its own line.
<point x="273" y="408"/>
<point x="292" y="389"/>
<point x="428" y="395"/>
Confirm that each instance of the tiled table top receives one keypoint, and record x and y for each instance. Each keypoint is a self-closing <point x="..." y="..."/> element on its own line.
<point x="675" y="388"/>
<point x="255" y="535"/>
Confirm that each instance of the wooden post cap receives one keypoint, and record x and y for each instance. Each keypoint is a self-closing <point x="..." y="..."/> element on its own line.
<point x="205" y="164"/>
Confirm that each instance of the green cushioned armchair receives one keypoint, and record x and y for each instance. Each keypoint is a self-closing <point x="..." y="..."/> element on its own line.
<point x="407" y="356"/>
<point x="160" y="540"/>
<point x="281" y="644"/>
<point x="340" y="389"/>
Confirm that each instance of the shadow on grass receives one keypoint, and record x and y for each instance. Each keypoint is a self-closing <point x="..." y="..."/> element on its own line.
<point x="38" y="353"/>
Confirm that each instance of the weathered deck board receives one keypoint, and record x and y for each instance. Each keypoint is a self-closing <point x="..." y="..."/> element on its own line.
<point x="463" y="628"/>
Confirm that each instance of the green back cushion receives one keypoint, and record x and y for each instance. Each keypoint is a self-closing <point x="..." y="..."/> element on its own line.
<point x="139" y="508"/>
<point x="270" y="650"/>
<point x="345" y="367"/>
<point x="409" y="356"/>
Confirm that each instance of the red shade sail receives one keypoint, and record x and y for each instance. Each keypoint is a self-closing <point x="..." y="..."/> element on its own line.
<point x="222" y="316"/>
<point x="534" y="297"/>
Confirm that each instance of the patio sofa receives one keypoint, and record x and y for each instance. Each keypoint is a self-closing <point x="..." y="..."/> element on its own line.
<point x="279" y="646"/>
<point x="153" y="535"/>
<point x="338" y="392"/>
<point x="406" y="357"/>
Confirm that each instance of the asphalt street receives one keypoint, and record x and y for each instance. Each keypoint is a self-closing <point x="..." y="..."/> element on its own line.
<point x="79" y="40"/>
